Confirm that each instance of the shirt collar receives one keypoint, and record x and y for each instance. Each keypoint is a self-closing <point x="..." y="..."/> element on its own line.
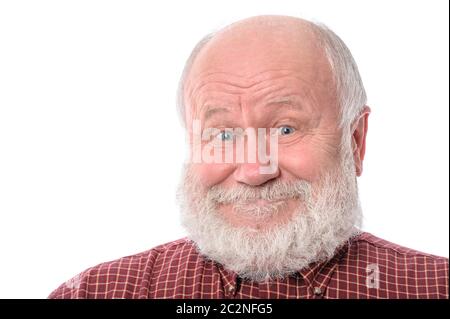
<point x="316" y="276"/>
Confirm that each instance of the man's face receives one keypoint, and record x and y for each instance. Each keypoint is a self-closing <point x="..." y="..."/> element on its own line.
<point x="256" y="76"/>
<point x="258" y="224"/>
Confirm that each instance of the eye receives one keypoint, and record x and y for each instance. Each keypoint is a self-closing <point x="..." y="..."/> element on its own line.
<point x="285" y="130"/>
<point x="225" y="136"/>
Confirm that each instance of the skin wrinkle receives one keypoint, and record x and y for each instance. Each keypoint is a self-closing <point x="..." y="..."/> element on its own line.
<point x="271" y="92"/>
<point x="191" y="92"/>
<point x="248" y="78"/>
<point x="194" y="92"/>
<point x="212" y="108"/>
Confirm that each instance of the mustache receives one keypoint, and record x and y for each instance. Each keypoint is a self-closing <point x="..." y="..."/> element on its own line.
<point x="270" y="191"/>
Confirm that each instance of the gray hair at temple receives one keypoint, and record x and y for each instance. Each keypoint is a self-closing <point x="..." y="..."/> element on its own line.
<point x="349" y="86"/>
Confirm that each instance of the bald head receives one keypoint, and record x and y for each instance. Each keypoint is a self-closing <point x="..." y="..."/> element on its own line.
<point x="267" y="41"/>
<point x="261" y="43"/>
<point x="253" y="49"/>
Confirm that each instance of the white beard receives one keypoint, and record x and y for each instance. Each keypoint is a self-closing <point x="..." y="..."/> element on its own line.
<point x="330" y="215"/>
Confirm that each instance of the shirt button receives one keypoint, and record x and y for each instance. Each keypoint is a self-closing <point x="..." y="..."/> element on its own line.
<point x="231" y="289"/>
<point x="317" y="291"/>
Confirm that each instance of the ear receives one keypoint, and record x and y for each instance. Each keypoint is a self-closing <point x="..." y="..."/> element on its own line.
<point x="359" y="133"/>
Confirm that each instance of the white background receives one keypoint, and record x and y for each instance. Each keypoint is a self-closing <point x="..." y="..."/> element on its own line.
<point x="91" y="147"/>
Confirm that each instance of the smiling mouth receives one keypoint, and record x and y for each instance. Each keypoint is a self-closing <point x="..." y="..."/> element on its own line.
<point x="258" y="213"/>
<point x="260" y="202"/>
<point x="259" y="207"/>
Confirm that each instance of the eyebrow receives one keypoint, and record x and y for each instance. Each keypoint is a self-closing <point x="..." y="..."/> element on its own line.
<point x="287" y="101"/>
<point x="210" y="112"/>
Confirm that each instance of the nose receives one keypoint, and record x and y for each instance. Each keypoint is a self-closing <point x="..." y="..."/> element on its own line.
<point x="251" y="174"/>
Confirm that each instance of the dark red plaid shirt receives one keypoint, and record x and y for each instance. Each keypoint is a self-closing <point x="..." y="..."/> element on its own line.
<point x="365" y="267"/>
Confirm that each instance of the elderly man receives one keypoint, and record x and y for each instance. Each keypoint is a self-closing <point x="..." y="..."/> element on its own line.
<point x="283" y="225"/>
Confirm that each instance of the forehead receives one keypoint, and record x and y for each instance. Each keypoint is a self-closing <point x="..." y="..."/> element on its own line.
<point x="244" y="58"/>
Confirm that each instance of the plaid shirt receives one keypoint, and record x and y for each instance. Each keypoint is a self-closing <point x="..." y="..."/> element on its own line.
<point x="365" y="267"/>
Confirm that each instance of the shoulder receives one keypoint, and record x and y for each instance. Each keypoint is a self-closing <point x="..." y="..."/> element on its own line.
<point x="418" y="272"/>
<point x="123" y="277"/>
<point x="366" y="243"/>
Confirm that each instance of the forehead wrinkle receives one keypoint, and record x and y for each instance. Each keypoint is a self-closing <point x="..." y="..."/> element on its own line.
<point x="305" y="84"/>
<point x="229" y="87"/>
<point x="215" y="99"/>
<point x="281" y="99"/>
<point x="291" y="102"/>
<point x="241" y="81"/>
<point x="284" y="103"/>
<point x="257" y="83"/>
<point x="199" y="95"/>
<point x="280" y="93"/>
<point x="201" y="80"/>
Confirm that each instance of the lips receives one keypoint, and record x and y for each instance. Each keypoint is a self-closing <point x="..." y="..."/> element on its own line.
<point x="259" y="202"/>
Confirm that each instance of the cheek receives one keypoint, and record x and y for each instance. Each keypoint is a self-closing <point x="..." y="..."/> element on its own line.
<point x="303" y="162"/>
<point x="212" y="174"/>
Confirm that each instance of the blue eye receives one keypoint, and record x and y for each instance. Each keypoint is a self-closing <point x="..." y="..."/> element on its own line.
<point x="225" y="136"/>
<point x="286" y="130"/>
